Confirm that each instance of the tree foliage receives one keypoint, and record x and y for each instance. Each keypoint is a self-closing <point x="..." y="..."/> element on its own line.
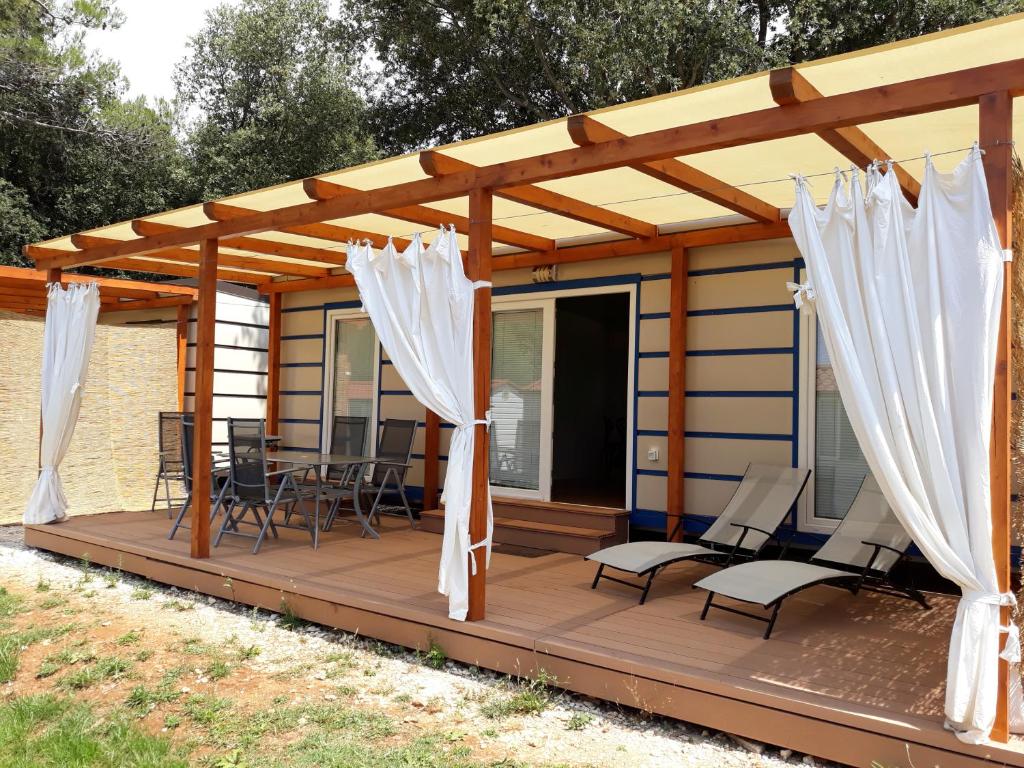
<point x="453" y="69"/>
<point x="272" y="84"/>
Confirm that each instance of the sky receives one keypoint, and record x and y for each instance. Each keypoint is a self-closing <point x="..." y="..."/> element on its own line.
<point x="151" y="41"/>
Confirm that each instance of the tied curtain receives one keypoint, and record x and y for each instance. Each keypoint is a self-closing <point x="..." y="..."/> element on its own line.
<point x="421" y="305"/>
<point x="908" y="301"/>
<point x="67" y="343"/>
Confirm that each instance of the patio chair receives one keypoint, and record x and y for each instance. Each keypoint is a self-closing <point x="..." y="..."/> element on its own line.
<point x="867" y="546"/>
<point x="255" y="487"/>
<point x="170" y="459"/>
<point x="348" y="438"/>
<point x="391" y="462"/>
<point x="219" y="478"/>
<point x="756" y="510"/>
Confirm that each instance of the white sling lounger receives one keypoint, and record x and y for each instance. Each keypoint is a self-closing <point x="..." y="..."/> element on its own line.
<point x="756" y="510"/>
<point x="867" y="545"/>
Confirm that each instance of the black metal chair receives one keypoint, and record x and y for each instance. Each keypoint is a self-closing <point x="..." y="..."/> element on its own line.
<point x="219" y="479"/>
<point x="255" y="487"/>
<point x="391" y="463"/>
<point x="171" y="462"/>
<point x="348" y="438"/>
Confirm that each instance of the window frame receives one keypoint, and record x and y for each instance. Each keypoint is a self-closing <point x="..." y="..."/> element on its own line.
<point x="331" y="320"/>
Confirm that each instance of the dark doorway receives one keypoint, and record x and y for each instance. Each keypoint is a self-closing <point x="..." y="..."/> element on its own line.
<point x="588" y="462"/>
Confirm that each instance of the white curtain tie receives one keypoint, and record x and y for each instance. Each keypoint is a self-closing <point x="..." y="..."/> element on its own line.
<point x="486" y="421"/>
<point x="478" y="284"/>
<point x="1008" y="254"/>
<point x="990" y="598"/>
<point x="48" y="468"/>
<point x="486" y="542"/>
<point x="801" y="292"/>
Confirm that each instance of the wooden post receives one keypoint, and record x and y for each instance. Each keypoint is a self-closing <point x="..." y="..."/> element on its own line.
<point x="479" y="268"/>
<point x="203" y="408"/>
<point x="54" y="275"/>
<point x="274" y="365"/>
<point x="184" y="310"/>
<point x="431" y="459"/>
<point x="677" y="391"/>
<point x="996" y="134"/>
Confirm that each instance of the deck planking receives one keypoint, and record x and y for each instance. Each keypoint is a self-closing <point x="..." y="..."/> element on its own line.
<point x="852" y="679"/>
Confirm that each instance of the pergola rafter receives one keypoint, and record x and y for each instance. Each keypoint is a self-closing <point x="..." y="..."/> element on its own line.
<point x="436" y="163"/>
<point x="585" y="130"/>
<point x="319" y="189"/>
<point x="789" y="87"/>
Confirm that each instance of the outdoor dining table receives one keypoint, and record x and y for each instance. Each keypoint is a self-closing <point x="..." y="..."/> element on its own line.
<point x="317" y="462"/>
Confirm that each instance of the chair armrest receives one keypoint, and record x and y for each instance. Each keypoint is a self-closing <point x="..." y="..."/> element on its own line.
<point x="746" y="527"/>
<point x="883" y="546"/>
<point x="386" y="463"/>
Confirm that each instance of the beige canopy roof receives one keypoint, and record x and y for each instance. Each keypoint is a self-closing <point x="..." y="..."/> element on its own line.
<point x="726" y="186"/>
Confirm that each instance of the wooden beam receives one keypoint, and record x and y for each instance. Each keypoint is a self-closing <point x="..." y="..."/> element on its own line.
<point x="178" y="269"/>
<point x="189" y="256"/>
<point x="108" y="285"/>
<point x="184" y="312"/>
<point x="315" y="284"/>
<point x="206" y="324"/>
<point x="912" y="97"/>
<point x="318" y="189"/>
<point x="677" y="392"/>
<point x="789" y="87"/>
<point x="133" y="304"/>
<point x="585" y="130"/>
<point x="479" y="268"/>
<point x="431" y="459"/>
<point x="995" y="133"/>
<point x="274" y="365"/>
<point x="253" y="244"/>
<point x="739" y="233"/>
<point x="436" y="164"/>
<point x="319" y="229"/>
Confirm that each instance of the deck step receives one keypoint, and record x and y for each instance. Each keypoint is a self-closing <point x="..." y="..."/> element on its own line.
<point x="573" y="539"/>
<point x="560" y="513"/>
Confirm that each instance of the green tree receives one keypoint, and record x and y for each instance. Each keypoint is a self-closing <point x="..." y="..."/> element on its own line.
<point x="452" y="69"/>
<point x="74" y="154"/>
<point x="273" y="84"/>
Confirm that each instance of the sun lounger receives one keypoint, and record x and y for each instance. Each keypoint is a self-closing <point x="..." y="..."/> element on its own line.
<point x="757" y="508"/>
<point x="866" y="546"/>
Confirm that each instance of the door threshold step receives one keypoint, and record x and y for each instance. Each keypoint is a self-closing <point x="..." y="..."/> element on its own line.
<point x="532" y="533"/>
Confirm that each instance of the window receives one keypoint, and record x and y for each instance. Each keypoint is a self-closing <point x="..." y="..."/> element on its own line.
<point x="352" y="371"/>
<point x="838" y="463"/>
<point x="517" y="385"/>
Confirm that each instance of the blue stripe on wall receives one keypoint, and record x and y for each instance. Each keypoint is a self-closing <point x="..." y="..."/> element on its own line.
<point x="732" y="352"/>
<point x="751" y="310"/>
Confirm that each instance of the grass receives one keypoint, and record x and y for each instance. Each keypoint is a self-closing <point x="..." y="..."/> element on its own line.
<point x="531" y="698"/>
<point x="129" y="638"/>
<point x="289" y="620"/>
<point x="247" y="653"/>
<point x="142" y="593"/>
<point x="145" y="698"/>
<point x="104" y="668"/>
<point x="435" y="656"/>
<point x="46" y="730"/>
<point x="205" y="709"/>
<point x="217" y="670"/>
<point x="579" y="721"/>
<point x="12" y="643"/>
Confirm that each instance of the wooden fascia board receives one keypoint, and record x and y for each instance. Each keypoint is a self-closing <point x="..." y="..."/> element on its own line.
<point x="928" y="94"/>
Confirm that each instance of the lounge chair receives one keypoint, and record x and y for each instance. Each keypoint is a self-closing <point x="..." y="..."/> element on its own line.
<point x="757" y="508"/>
<point x="867" y="545"/>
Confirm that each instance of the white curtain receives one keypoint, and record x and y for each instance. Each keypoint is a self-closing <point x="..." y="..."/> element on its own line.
<point x="909" y="302"/>
<point x="421" y="305"/>
<point x="67" y="343"/>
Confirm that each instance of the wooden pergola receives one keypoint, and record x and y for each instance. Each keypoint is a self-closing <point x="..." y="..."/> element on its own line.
<point x="697" y="168"/>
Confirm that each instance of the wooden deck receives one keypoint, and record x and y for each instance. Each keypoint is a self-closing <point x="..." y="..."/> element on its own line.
<point x="848" y="679"/>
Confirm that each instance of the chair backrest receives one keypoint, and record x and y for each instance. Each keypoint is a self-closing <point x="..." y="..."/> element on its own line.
<point x="396" y="439"/>
<point x="169" y="435"/>
<point x="763" y="499"/>
<point x="248" y="458"/>
<point x="870" y="518"/>
<point x="348" y="438"/>
<point x="186" y="434"/>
